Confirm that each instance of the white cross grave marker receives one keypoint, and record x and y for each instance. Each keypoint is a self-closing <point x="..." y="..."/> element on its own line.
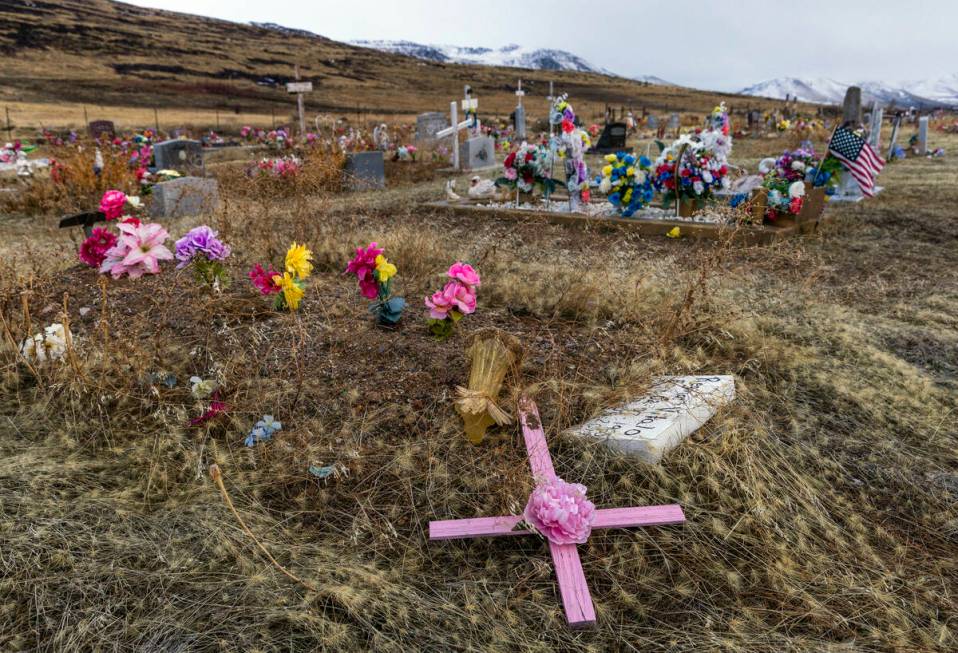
<point x="299" y="88"/>
<point x="469" y="105"/>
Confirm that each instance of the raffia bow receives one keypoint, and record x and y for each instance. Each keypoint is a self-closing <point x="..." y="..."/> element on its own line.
<point x="476" y="402"/>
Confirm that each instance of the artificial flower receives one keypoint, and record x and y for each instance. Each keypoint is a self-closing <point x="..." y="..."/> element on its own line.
<point x="292" y="292"/>
<point x="263" y="279"/>
<point x="464" y="273"/>
<point x="384" y="269"/>
<point x="298" y="261"/>
<point x="200" y="241"/>
<point x="200" y="388"/>
<point x="138" y="251"/>
<point x="112" y="204"/>
<point x="93" y="250"/>
<point x="560" y="512"/>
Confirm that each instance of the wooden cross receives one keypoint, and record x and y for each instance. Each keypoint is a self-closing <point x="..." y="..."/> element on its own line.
<point x="572" y="584"/>
<point x="299" y="88"/>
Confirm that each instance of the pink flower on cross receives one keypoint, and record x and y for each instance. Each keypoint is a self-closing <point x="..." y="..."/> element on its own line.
<point x="560" y="512"/>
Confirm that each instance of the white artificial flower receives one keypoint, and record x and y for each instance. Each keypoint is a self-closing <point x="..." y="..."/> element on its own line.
<point x="726" y="184"/>
<point x="707" y="177"/>
<point x="798" y="165"/>
<point x="640" y="176"/>
<point x="134" y="201"/>
<point x="55" y="341"/>
<point x="698" y="187"/>
<point x="765" y="166"/>
<point x="774" y="197"/>
<point x="797" y="189"/>
<point x="201" y="389"/>
<point x="605" y="185"/>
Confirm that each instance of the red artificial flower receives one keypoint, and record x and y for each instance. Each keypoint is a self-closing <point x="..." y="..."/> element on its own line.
<point x="795" y="206"/>
<point x="216" y="408"/>
<point x="263" y="279"/>
<point x="510" y="160"/>
<point x="567" y="126"/>
<point x="93" y="249"/>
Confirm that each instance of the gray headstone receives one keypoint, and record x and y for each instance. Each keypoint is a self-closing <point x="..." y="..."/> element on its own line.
<point x="427" y="124"/>
<point x="674" y="121"/>
<point x="99" y="127"/>
<point x="519" y="122"/>
<point x="479" y="152"/>
<point x="186" y="196"/>
<point x="852" y="106"/>
<point x="612" y="138"/>
<point x="653" y="122"/>
<point x="923" y="135"/>
<point x="874" y="133"/>
<point x="182" y="155"/>
<point x="365" y="170"/>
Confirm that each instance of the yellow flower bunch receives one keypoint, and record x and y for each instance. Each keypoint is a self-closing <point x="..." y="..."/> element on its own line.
<point x="384" y="269"/>
<point x="292" y="291"/>
<point x="298" y="261"/>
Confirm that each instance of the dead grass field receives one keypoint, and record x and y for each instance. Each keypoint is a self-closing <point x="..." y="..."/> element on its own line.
<point x="822" y="506"/>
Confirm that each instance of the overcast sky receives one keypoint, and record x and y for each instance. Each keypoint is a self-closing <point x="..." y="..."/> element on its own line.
<point x="712" y="45"/>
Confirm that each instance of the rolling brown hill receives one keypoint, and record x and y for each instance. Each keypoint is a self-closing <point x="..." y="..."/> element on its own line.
<point x="111" y="53"/>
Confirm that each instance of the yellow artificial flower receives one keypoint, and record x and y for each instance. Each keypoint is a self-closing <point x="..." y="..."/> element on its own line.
<point x="627" y="197"/>
<point x="607" y="171"/>
<point x="611" y="158"/>
<point x="630" y="171"/>
<point x="674" y="232"/>
<point x="385" y="269"/>
<point x="298" y="261"/>
<point x="292" y="293"/>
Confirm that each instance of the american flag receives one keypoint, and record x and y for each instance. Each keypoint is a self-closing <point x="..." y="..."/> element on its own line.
<point x="859" y="158"/>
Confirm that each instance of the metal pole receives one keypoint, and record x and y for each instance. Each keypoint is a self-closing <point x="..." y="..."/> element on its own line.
<point x="299" y="106"/>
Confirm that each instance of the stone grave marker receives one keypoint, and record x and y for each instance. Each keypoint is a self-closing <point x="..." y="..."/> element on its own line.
<point x="183" y="197"/>
<point x="874" y="126"/>
<point x="519" y="116"/>
<point x="184" y="156"/>
<point x="428" y="124"/>
<point x="479" y="152"/>
<point x="653" y="122"/>
<point x="653" y="425"/>
<point x="365" y="170"/>
<point x="852" y="106"/>
<point x="98" y="128"/>
<point x="675" y="121"/>
<point x="612" y="138"/>
<point x="923" y="135"/>
<point x="896" y="125"/>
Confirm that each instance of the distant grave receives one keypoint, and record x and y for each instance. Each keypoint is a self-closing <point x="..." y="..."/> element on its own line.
<point x="365" y="170"/>
<point x="428" y="124"/>
<point x="612" y="139"/>
<point x="98" y="128"/>
<point x="479" y="153"/>
<point x="923" y="136"/>
<point x="184" y="156"/>
<point x="183" y="197"/>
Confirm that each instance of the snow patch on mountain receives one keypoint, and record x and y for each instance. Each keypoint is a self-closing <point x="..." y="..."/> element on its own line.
<point x="822" y="90"/>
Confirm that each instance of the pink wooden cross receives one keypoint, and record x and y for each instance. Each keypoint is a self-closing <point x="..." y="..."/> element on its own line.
<point x="572" y="585"/>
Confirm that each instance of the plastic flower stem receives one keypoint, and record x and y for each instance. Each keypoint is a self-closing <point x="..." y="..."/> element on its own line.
<point x="218" y="479"/>
<point x="678" y="168"/>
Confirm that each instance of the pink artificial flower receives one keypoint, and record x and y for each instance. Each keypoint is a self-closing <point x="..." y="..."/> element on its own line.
<point x="454" y="295"/>
<point x="560" y="512"/>
<point x="112" y="204"/>
<point x="362" y="266"/>
<point x="465" y="273"/>
<point x="511" y="174"/>
<point x="93" y="250"/>
<point x="216" y="409"/>
<point x="263" y="279"/>
<point x="138" y="251"/>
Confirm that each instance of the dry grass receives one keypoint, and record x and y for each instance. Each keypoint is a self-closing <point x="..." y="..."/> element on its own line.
<point x="821" y="506"/>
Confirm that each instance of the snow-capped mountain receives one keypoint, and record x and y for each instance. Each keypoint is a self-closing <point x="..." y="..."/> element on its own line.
<point x="513" y="55"/>
<point x="930" y="93"/>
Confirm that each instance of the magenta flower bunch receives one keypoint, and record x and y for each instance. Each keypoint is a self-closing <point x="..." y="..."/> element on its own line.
<point x="456" y="299"/>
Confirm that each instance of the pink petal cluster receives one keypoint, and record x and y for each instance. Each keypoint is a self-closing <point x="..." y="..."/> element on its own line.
<point x="93" y="250"/>
<point x="560" y="512"/>
<point x="112" y="204"/>
<point x="363" y="266"/>
<point x="458" y="294"/>
<point x="138" y="251"/>
<point x="263" y="279"/>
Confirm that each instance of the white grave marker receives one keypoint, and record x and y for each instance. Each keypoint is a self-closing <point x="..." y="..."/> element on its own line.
<point x="299" y="88"/>
<point x="469" y="104"/>
<point x="923" y="135"/>
<point x="650" y="427"/>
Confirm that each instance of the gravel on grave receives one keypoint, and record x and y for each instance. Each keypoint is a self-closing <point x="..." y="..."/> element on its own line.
<point x="603" y="210"/>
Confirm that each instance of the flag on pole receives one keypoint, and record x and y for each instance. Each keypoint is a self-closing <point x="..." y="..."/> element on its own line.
<point x="858" y="157"/>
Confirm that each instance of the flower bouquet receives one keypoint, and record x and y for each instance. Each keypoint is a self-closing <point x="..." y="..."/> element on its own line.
<point x="691" y="180"/>
<point x="288" y="286"/>
<point x="375" y="274"/>
<point x="456" y="299"/>
<point x="795" y="185"/>
<point x="205" y="251"/>
<point x="571" y="147"/>
<point x="627" y="182"/>
<point x="527" y="169"/>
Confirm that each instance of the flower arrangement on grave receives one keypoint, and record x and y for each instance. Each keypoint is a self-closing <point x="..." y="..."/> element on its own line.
<point x="787" y="179"/>
<point x="527" y="169"/>
<point x="694" y="178"/>
<point x="572" y="145"/>
<point x="286" y="166"/>
<point x="456" y="299"/>
<point x="375" y="274"/>
<point x="288" y="285"/>
<point x="719" y="120"/>
<point x="138" y="250"/>
<point x="492" y="354"/>
<point x="783" y="125"/>
<point x="560" y="512"/>
<point x="627" y="181"/>
<point x="50" y="345"/>
<point x="202" y="249"/>
<point x="406" y="153"/>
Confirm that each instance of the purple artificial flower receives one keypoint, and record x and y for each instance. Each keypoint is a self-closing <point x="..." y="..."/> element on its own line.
<point x="200" y="240"/>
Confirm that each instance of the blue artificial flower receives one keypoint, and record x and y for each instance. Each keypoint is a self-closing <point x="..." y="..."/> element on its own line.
<point x="629" y="159"/>
<point x="258" y="434"/>
<point x="644" y="161"/>
<point x="737" y="199"/>
<point x="615" y="198"/>
<point x="270" y="424"/>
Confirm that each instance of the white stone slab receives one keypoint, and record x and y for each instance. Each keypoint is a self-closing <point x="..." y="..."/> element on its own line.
<point x="650" y="427"/>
